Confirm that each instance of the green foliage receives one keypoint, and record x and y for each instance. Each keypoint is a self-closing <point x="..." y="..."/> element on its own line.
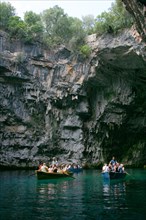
<point x="85" y="50"/>
<point x="6" y="12"/>
<point x="78" y="34"/>
<point x="34" y="26"/>
<point x="53" y="27"/>
<point x="116" y="19"/>
<point x="104" y="21"/>
<point x="31" y="18"/>
<point x="17" y="27"/>
<point x="56" y="26"/>
<point x="88" y="23"/>
<point x="62" y="29"/>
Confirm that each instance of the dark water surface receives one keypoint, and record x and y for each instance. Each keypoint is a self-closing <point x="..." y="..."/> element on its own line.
<point x="86" y="197"/>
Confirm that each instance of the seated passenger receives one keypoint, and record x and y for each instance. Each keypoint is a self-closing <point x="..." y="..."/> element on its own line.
<point x="50" y="170"/>
<point x="54" y="161"/>
<point x="40" y="165"/>
<point x="44" y="168"/>
<point x="55" y="169"/>
<point x="117" y="167"/>
<point x="121" y="168"/>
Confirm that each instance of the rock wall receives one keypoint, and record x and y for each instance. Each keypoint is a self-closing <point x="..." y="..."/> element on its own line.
<point x="85" y="111"/>
<point x="138" y="10"/>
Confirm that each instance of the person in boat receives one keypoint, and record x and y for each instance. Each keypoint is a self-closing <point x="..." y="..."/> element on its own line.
<point x="40" y="165"/>
<point x="50" y="170"/>
<point x="105" y="168"/>
<point x="121" y="168"/>
<point x="54" y="161"/>
<point x="55" y="168"/>
<point x="44" y="168"/>
<point x="113" y="162"/>
<point x="118" y="168"/>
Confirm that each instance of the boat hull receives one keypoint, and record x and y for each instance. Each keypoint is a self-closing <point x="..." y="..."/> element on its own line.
<point x="113" y="175"/>
<point x="42" y="175"/>
<point x="116" y="175"/>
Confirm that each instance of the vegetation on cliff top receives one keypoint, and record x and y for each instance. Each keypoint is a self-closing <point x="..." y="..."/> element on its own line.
<point x="54" y="27"/>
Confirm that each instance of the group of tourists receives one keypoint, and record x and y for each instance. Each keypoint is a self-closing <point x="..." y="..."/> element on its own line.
<point x="113" y="166"/>
<point x="54" y="167"/>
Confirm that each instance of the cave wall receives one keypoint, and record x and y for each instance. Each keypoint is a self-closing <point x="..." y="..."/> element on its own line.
<point x="137" y="8"/>
<point x="55" y="104"/>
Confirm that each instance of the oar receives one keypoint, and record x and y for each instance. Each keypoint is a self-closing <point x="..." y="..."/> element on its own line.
<point x="71" y="176"/>
<point x="130" y="175"/>
<point x="65" y="172"/>
<point x="127" y="173"/>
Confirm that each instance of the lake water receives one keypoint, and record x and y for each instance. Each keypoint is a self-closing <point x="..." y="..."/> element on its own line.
<point x="86" y="197"/>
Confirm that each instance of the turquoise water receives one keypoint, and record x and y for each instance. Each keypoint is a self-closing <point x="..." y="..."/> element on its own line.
<point x="86" y="197"/>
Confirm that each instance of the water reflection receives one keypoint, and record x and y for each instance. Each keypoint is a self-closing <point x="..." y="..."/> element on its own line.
<point x="51" y="188"/>
<point x="60" y="196"/>
<point x="106" y="186"/>
<point x="114" y="198"/>
<point x="114" y="187"/>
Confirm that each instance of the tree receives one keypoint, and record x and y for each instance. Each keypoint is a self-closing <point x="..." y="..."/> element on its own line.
<point x="77" y="38"/>
<point x="34" y="26"/>
<point x="122" y="18"/>
<point x="117" y="18"/>
<point x="103" y="22"/>
<point x="31" y="18"/>
<point x="88" y="23"/>
<point x="57" y="26"/>
<point x="6" y="12"/>
<point x="17" y="28"/>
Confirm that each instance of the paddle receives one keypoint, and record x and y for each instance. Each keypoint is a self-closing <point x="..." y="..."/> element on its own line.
<point x="127" y="173"/>
<point x="130" y="175"/>
<point x="66" y="173"/>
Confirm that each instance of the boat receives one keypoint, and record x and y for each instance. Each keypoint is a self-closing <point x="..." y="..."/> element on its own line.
<point x="113" y="175"/>
<point x="117" y="175"/>
<point x="44" y="175"/>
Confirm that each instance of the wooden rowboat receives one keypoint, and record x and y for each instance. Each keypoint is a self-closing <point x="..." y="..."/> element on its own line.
<point x="113" y="175"/>
<point x="44" y="175"/>
<point x="117" y="175"/>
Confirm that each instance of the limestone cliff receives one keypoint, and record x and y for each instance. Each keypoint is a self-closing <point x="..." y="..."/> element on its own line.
<point x="138" y="10"/>
<point x="53" y="104"/>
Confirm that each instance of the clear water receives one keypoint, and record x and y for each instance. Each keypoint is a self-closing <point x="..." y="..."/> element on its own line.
<point x="86" y="197"/>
